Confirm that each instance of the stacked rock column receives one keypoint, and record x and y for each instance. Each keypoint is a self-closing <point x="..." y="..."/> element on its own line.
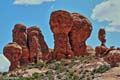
<point x="101" y="36"/>
<point x="79" y="33"/>
<point x="37" y="45"/>
<point x="61" y="24"/>
<point x="101" y="50"/>
<point x="20" y="37"/>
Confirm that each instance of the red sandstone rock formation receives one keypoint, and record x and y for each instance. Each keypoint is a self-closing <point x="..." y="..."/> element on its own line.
<point x="61" y="23"/>
<point x="79" y="33"/>
<point x="20" y="37"/>
<point x="101" y="50"/>
<point x="37" y="45"/>
<point x="101" y="36"/>
<point x="113" y="57"/>
<point x="13" y="52"/>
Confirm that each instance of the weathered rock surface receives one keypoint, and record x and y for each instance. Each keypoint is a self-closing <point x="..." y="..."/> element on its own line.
<point x="90" y="50"/>
<point x="113" y="57"/>
<point x="79" y="33"/>
<point x="101" y="36"/>
<point x="20" y="37"/>
<point x="101" y="50"/>
<point x="61" y="23"/>
<point x="37" y="44"/>
<point x="13" y="52"/>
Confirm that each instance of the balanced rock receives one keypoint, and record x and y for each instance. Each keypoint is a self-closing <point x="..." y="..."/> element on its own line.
<point x="37" y="44"/>
<point x="79" y="33"/>
<point x="20" y="37"/>
<point x="61" y="24"/>
<point x="13" y="52"/>
<point x="101" y="36"/>
<point x="101" y="50"/>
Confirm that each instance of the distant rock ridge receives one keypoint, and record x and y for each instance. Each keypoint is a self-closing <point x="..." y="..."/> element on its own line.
<point x="70" y="31"/>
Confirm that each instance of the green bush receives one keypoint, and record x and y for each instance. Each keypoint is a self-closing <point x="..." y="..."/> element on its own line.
<point x="101" y="69"/>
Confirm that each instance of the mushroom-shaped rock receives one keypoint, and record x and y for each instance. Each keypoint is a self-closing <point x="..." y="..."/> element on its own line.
<point x="61" y="23"/>
<point x="37" y="44"/>
<point x="79" y="33"/>
<point x="13" y="52"/>
<point x="20" y="37"/>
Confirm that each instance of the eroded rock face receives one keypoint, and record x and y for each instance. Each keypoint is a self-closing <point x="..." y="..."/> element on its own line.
<point x="100" y="50"/>
<point x="113" y="57"/>
<point x="61" y="23"/>
<point x="37" y="44"/>
<point x="13" y="52"/>
<point x="20" y="34"/>
<point x="20" y="37"/>
<point x="79" y="33"/>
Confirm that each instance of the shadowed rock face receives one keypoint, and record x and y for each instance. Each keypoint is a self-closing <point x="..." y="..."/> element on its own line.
<point x="37" y="44"/>
<point x="13" y="52"/>
<point x="20" y="37"/>
<point x="61" y="23"/>
<point x="79" y="33"/>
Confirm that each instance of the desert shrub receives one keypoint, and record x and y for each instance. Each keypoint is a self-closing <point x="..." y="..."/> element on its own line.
<point x="71" y="76"/>
<point x="39" y="64"/>
<point x="59" y="67"/>
<point x="101" y="69"/>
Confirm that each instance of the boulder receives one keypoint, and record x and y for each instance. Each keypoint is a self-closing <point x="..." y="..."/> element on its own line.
<point x="20" y="37"/>
<point x="100" y="51"/>
<point x="80" y="32"/>
<point x="61" y="23"/>
<point x="13" y="52"/>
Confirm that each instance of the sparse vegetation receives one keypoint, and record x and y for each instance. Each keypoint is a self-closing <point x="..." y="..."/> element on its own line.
<point x="74" y="70"/>
<point x="101" y="69"/>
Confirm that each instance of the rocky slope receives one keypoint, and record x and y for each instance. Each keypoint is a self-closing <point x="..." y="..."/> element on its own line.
<point x="78" y="68"/>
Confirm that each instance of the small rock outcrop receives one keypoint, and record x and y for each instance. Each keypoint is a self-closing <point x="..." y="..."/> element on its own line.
<point x="20" y="37"/>
<point x="79" y="33"/>
<point x="113" y="57"/>
<point x="13" y="52"/>
<point x="61" y="24"/>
